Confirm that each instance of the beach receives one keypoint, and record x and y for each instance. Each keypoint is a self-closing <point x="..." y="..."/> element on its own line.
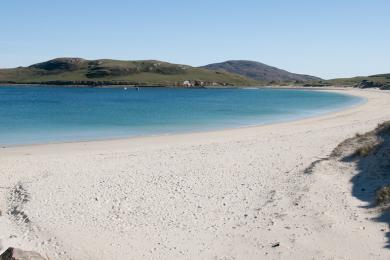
<point x="229" y="194"/>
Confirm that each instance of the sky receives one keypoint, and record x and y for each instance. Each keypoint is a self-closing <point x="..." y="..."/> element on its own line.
<point x="329" y="39"/>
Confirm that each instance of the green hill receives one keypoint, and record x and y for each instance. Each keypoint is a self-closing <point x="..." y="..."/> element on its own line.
<point x="380" y="78"/>
<point x="77" y="71"/>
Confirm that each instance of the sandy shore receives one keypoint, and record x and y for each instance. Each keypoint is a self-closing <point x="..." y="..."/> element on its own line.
<point x="218" y="195"/>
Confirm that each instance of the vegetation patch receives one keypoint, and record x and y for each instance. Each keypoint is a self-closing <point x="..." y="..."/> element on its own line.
<point x="365" y="150"/>
<point x="383" y="195"/>
<point x="381" y="81"/>
<point x="384" y="128"/>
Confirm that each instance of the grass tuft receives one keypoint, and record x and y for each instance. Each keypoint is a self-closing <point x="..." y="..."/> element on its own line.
<point x="365" y="150"/>
<point x="383" y="195"/>
<point x="384" y="128"/>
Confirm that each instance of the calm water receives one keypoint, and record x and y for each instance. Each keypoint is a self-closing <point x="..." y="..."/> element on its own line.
<point x="43" y="114"/>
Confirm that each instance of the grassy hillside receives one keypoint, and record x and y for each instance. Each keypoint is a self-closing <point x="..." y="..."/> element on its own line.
<point x="116" y="72"/>
<point x="380" y="79"/>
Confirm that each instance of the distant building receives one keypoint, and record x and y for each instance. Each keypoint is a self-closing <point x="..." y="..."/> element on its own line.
<point x="187" y="83"/>
<point x="193" y="83"/>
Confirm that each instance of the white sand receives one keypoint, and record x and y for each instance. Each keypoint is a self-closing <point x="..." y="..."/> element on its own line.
<point x="217" y="195"/>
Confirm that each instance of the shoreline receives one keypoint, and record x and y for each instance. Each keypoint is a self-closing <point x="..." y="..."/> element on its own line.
<point x="227" y="194"/>
<point x="180" y="87"/>
<point x="338" y="90"/>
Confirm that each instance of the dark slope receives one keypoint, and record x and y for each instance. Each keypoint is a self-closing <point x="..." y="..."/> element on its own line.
<point x="259" y="71"/>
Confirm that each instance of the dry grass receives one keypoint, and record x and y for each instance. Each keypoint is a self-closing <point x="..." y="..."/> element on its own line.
<point x="365" y="150"/>
<point x="383" y="195"/>
<point x="370" y="145"/>
<point x="384" y="128"/>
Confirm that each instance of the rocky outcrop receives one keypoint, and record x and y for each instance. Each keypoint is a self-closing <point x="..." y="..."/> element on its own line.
<point x="18" y="254"/>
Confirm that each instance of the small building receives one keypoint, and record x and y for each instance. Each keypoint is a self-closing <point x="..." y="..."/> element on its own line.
<point x="188" y="83"/>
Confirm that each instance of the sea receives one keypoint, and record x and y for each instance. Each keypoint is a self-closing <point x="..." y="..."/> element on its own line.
<point x="35" y="115"/>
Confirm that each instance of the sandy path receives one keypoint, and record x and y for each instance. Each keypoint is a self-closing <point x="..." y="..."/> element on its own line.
<point x="218" y="195"/>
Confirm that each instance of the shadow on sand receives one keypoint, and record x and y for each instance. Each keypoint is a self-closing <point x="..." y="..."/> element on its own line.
<point x="371" y="153"/>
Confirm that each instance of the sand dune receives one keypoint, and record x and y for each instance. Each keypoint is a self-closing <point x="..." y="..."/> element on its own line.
<point x="233" y="194"/>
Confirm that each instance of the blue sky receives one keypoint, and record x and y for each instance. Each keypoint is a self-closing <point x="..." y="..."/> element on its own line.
<point x="332" y="38"/>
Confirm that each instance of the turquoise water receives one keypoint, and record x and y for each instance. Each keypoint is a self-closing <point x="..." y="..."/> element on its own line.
<point x="43" y="114"/>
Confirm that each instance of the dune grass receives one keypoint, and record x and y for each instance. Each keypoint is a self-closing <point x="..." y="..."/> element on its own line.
<point x="383" y="195"/>
<point x="365" y="150"/>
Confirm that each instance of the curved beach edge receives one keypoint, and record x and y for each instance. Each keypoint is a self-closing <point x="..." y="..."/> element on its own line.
<point x="339" y="90"/>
